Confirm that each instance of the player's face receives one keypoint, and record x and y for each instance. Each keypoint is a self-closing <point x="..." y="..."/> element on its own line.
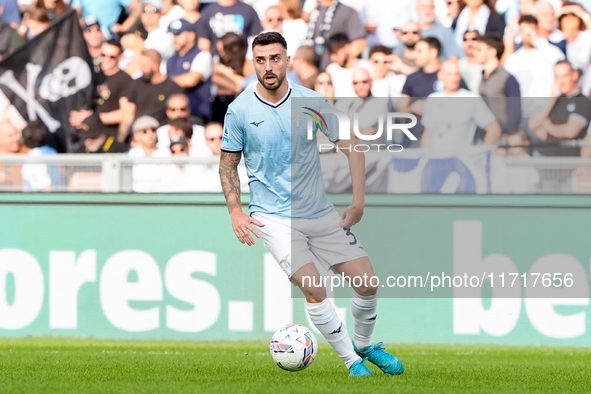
<point x="270" y="64"/>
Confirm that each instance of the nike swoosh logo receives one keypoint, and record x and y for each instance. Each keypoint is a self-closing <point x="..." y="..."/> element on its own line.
<point x="373" y="318"/>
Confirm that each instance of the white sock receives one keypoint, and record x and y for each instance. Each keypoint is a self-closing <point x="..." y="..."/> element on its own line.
<point x="364" y="313"/>
<point x="326" y="320"/>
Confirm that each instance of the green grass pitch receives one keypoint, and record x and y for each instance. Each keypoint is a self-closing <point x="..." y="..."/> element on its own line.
<point x="55" y="365"/>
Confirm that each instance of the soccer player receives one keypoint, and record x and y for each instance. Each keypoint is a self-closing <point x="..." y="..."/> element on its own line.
<point x="289" y="206"/>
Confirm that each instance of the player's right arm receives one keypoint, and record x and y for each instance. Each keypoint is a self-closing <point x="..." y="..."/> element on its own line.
<point x="232" y="147"/>
<point x="241" y="222"/>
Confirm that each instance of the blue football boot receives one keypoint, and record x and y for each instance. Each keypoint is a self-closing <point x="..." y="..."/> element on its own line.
<point x="358" y="369"/>
<point x="381" y="358"/>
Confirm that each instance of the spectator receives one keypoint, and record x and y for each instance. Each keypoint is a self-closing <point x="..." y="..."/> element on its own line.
<point x="544" y="13"/>
<point x="132" y="43"/>
<point x="191" y="10"/>
<point x="470" y="69"/>
<point x="409" y="36"/>
<point x="228" y="73"/>
<point x="191" y="69"/>
<point x="452" y="123"/>
<point x="328" y="20"/>
<point x="54" y="8"/>
<point x="97" y="138"/>
<point x="273" y="19"/>
<point x="112" y="94"/>
<point x="367" y="108"/>
<point x="179" y="146"/>
<point x="454" y="7"/>
<point x="422" y="83"/>
<point x="213" y="137"/>
<point x="158" y="38"/>
<point x="323" y="85"/>
<point x="108" y="12"/>
<point x="152" y="89"/>
<point x="94" y="39"/>
<point x="183" y="127"/>
<point x="36" y="177"/>
<point x="9" y="39"/>
<point x="344" y="63"/>
<point x="499" y="89"/>
<point x="532" y="64"/>
<point x="9" y="144"/>
<point x="303" y="65"/>
<point x="10" y="13"/>
<point x="386" y="83"/>
<point x="177" y="106"/>
<point x="172" y="11"/>
<point x="380" y="17"/>
<point x="34" y="135"/>
<point x="480" y="16"/>
<point x="9" y="139"/>
<point x="578" y="37"/>
<point x="226" y="16"/>
<point x="144" y="134"/>
<point x="37" y="22"/>
<point x="430" y="28"/>
<point x="293" y="26"/>
<point x="564" y="118"/>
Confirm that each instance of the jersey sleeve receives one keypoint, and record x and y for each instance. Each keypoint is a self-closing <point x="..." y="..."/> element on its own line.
<point x="233" y="137"/>
<point x="332" y="131"/>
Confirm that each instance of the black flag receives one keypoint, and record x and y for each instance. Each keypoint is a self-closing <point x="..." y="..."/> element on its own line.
<point x="50" y="76"/>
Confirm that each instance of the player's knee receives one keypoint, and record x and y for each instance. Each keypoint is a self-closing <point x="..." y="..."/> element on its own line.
<point x="316" y="293"/>
<point x="366" y="291"/>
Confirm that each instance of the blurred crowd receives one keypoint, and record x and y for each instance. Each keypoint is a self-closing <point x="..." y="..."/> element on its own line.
<point x="168" y="69"/>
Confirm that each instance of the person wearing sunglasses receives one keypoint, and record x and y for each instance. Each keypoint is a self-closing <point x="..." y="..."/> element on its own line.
<point x="386" y="82"/>
<point x="470" y="68"/>
<point x="409" y="36"/>
<point x="213" y="137"/>
<point x="145" y="138"/>
<point x="113" y="89"/>
<point x="177" y="107"/>
<point x="159" y="39"/>
<point x="179" y="146"/>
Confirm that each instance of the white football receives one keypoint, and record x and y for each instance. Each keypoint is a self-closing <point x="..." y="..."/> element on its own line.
<point x="293" y="347"/>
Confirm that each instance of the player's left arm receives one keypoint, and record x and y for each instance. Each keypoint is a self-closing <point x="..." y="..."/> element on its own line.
<point x="353" y="213"/>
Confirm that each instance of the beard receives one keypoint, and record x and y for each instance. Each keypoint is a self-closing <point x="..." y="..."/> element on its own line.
<point x="273" y="86"/>
<point x="148" y="77"/>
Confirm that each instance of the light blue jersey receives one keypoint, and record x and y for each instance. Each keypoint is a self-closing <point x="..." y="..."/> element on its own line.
<point x="283" y="165"/>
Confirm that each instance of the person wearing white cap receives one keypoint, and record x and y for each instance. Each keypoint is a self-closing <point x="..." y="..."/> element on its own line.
<point x="145" y="138"/>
